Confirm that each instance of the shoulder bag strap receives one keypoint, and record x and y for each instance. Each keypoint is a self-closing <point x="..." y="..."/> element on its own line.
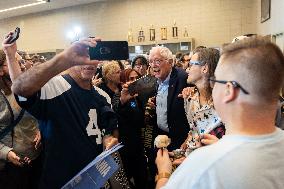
<point x="13" y="122"/>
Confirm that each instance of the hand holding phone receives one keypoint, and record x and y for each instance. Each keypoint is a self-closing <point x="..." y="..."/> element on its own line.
<point x="12" y="38"/>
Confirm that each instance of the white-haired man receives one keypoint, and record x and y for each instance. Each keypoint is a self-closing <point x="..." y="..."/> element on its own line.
<point x="171" y="118"/>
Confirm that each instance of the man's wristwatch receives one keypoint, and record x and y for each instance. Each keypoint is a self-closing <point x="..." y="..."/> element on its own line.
<point x="162" y="175"/>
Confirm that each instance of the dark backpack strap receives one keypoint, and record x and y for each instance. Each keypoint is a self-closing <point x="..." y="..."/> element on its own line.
<point x="13" y="122"/>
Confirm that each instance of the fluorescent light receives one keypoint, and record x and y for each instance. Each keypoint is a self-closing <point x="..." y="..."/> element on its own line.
<point x="74" y="34"/>
<point x="23" y="6"/>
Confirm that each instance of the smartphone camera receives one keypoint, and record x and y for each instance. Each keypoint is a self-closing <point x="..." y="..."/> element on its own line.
<point x="105" y="50"/>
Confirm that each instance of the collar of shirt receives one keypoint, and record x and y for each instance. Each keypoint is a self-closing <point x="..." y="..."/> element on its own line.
<point x="166" y="81"/>
<point x="196" y="103"/>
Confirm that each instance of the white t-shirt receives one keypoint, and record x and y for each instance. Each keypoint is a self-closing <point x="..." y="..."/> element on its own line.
<point x="235" y="162"/>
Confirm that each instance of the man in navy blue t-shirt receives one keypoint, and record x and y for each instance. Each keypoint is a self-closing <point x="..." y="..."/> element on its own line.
<point x="74" y="115"/>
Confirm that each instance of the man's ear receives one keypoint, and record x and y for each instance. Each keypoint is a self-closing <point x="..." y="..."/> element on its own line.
<point x="171" y="62"/>
<point x="230" y="93"/>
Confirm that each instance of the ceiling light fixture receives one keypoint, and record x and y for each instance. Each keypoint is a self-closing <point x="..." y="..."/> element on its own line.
<point x="74" y="34"/>
<point x="23" y="6"/>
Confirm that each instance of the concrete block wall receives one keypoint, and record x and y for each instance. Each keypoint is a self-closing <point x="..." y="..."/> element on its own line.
<point x="209" y="22"/>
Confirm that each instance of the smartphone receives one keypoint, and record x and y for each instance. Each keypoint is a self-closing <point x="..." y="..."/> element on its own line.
<point x="109" y="50"/>
<point x="15" y="36"/>
<point x="145" y="84"/>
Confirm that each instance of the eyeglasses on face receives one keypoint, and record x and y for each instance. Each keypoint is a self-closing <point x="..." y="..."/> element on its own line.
<point x="157" y="61"/>
<point x="234" y="83"/>
<point x="196" y="62"/>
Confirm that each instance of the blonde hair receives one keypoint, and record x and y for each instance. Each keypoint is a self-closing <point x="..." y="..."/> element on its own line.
<point x="109" y="68"/>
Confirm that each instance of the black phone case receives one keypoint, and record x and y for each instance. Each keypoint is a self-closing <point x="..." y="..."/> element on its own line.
<point x="109" y="50"/>
<point x="15" y="36"/>
<point x="144" y="84"/>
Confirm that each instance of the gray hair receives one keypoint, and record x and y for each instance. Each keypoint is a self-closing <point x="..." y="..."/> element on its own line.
<point x="164" y="52"/>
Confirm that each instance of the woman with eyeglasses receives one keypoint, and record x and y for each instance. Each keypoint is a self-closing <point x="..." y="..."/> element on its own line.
<point x="205" y="125"/>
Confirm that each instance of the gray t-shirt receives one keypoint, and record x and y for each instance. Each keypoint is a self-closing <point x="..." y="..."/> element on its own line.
<point x="235" y="162"/>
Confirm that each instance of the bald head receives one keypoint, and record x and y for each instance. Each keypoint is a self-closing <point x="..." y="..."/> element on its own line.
<point x="258" y="65"/>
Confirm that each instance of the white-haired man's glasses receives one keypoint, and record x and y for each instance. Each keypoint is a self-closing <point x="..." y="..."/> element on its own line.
<point x="157" y="61"/>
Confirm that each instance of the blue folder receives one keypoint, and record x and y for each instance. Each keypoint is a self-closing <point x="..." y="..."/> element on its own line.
<point x="96" y="173"/>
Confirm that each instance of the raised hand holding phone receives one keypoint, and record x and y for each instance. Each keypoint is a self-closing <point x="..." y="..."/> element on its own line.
<point x="96" y="81"/>
<point x="12" y="37"/>
<point x="9" y="45"/>
<point x="125" y="95"/>
<point x="78" y="53"/>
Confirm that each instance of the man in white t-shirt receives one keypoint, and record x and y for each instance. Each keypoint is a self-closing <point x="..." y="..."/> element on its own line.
<point x="247" y="80"/>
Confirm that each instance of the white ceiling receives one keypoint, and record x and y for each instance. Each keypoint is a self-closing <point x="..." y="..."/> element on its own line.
<point x="53" y="4"/>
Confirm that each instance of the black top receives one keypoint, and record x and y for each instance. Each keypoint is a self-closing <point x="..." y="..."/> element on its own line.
<point x="75" y="121"/>
<point x="105" y="88"/>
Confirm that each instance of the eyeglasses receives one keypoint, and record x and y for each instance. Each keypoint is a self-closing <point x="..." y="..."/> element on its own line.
<point x="195" y="62"/>
<point x="157" y="61"/>
<point x="234" y="83"/>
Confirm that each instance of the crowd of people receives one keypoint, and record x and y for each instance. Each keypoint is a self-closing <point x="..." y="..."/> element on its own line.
<point x="221" y="110"/>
